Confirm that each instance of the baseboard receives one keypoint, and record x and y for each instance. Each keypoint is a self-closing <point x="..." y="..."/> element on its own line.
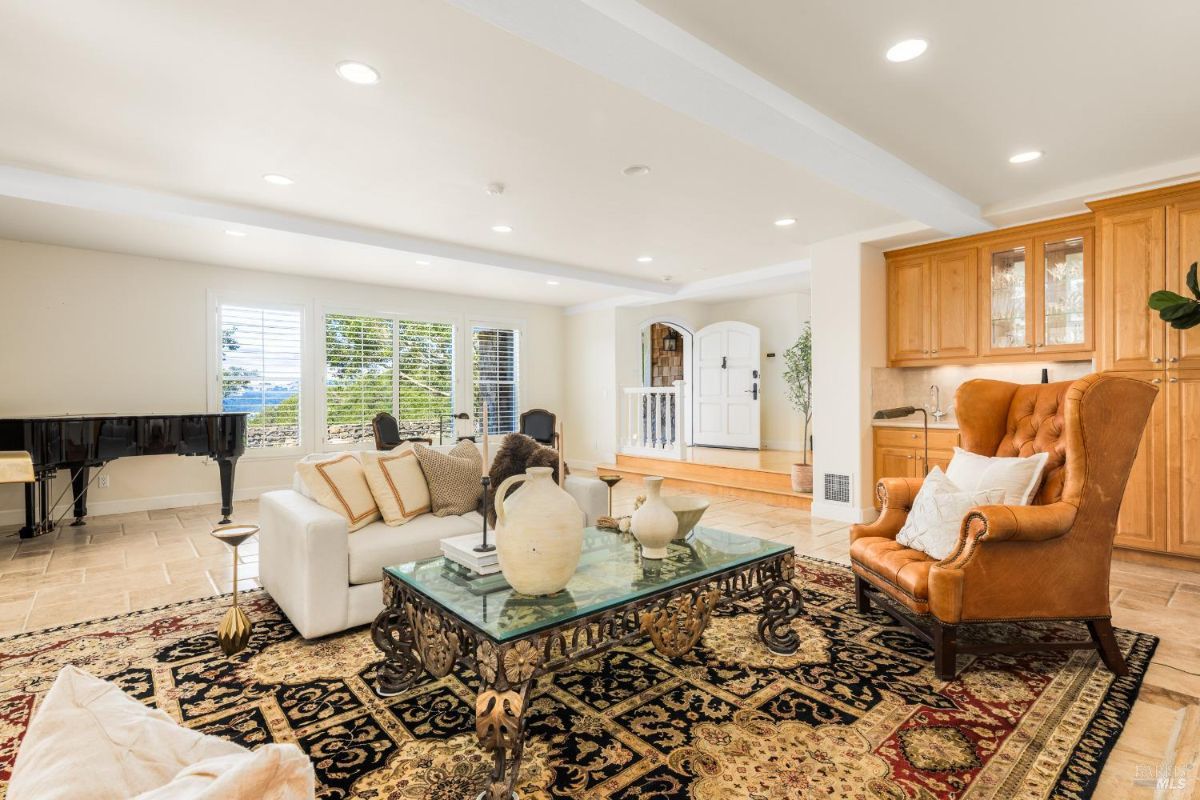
<point x="16" y="516"/>
<point x="781" y="444"/>
<point x="843" y="513"/>
<point x="575" y="464"/>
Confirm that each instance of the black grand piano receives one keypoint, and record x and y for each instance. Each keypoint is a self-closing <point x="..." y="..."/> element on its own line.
<point x="78" y="443"/>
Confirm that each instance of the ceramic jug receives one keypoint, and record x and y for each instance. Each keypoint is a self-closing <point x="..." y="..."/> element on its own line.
<point x="539" y="533"/>
<point x="654" y="524"/>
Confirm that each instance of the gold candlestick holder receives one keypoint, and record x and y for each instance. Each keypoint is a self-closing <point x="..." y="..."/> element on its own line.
<point x="610" y="481"/>
<point x="234" y="631"/>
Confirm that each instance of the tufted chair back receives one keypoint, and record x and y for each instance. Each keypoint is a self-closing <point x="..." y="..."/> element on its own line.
<point x="1009" y="419"/>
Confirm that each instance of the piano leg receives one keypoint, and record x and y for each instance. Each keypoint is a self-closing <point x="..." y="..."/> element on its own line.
<point x="46" y="523"/>
<point x="226" y="466"/>
<point x="30" y="529"/>
<point x="79" y="487"/>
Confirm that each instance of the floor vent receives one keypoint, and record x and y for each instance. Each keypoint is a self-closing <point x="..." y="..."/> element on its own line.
<point x="837" y="488"/>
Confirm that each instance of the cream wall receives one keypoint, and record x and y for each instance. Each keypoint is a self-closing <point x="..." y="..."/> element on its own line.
<point x="590" y="391"/>
<point x="92" y="332"/>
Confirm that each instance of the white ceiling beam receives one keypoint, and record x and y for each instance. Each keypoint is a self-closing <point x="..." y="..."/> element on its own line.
<point x="61" y="190"/>
<point x="632" y="46"/>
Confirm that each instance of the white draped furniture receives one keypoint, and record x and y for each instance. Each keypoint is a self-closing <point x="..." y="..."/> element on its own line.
<point x="327" y="579"/>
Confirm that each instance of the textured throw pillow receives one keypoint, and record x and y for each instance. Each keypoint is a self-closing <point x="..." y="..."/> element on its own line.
<point x="937" y="513"/>
<point x="398" y="484"/>
<point x="517" y="453"/>
<point x="1020" y="478"/>
<point x="453" y="478"/>
<point x="340" y="485"/>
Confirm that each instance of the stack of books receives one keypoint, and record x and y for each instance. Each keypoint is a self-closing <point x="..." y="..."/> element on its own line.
<point x="461" y="550"/>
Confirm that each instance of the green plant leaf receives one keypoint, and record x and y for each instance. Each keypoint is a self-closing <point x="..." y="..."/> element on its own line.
<point x="1165" y="299"/>
<point x="1179" y="310"/>
<point x="1189" y="320"/>
<point x="1191" y="280"/>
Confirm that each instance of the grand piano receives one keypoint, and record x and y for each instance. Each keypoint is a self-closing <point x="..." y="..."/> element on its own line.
<point x="78" y="443"/>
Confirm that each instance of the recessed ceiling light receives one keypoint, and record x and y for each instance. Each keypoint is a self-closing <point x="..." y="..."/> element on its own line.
<point x="1028" y="155"/>
<point x="357" y="72"/>
<point x="634" y="170"/>
<point x="552" y="283"/>
<point x="906" y="50"/>
<point x="231" y="232"/>
<point x="783" y="223"/>
<point x="645" y="259"/>
<point x="422" y="263"/>
<point x="278" y="180"/>
<point x="502" y="228"/>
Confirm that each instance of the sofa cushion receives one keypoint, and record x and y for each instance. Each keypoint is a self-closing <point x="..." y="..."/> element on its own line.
<point x="377" y="546"/>
<point x="454" y="478"/>
<point x="340" y="485"/>
<point x="398" y="484"/>
<point x="89" y="739"/>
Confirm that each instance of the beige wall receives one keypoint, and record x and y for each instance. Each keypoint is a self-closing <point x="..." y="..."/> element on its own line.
<point x="92" y="332"/>
<point x="590" y="420"/>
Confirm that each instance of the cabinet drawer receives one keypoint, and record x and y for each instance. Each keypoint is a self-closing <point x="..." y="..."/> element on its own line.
<point x="939" y="439"/>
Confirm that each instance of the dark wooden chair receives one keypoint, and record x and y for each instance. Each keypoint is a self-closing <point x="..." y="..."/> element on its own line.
<point x="387" y="432"/>
<point x="540" y="425"/>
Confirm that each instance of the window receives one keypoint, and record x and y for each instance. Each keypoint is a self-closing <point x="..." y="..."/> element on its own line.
<point x="260" y="372"/>
<point x="495" y="371"/>
<point x="380" y="363"/>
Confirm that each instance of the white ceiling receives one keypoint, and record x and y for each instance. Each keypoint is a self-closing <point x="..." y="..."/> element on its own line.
<point x="201" y="99"/>
<point x="198" y="100"/>
<point x="1101" y="86"/>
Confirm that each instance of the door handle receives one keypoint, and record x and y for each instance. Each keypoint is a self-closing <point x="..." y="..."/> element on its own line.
<point x="724" y="362"/>
<point x="753" y="391"/>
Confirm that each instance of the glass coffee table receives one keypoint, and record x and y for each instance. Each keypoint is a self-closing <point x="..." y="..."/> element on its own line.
<point x="437" y="614"/>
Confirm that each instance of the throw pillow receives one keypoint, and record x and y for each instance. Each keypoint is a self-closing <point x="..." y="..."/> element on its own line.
<point x="1019" y="477"/>
<point x="453" y="478"/>
<point x="517" y="453"/>
<point x="398" y="484"/>
<point x="937" y="513"/>
<point x="340" y="485"/>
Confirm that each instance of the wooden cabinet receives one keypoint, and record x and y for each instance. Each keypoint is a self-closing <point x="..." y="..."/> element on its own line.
<point x="1183" y="462"/>
<point x="1183" y="250"/>
<point x="1142" y="523"/>
<point x="1020" y="295"/>
<point x="900" y="452"/>
<point x="1132" y="266"/>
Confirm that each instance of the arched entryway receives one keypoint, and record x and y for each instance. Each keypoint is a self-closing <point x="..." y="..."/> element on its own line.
<point x="667" y="357"/>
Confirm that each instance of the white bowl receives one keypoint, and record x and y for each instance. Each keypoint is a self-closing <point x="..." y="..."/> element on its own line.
<point x="688" y="510"/>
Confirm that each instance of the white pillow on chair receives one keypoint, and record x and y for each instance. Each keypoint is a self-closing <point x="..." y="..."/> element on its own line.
<point x="1020" y="478"/>
<point x="937" y="513"/>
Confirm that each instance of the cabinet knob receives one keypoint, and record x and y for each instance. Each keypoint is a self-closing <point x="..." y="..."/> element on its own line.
<point x="1173" y="380"/>
<point x="934" y="351"/>
<point x="1029" y="346"/>
<point x="914" y="436"/>
<point x="1174" y="359"/>
<point x="1156" y="360"/>
<point x="1157" y="380"/>
<point x="1041" y="344"/>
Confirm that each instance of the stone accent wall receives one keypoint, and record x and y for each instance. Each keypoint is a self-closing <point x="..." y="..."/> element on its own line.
<point x="666" y="367"/>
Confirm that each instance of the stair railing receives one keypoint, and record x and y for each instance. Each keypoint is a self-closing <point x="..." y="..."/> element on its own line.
<point x="655" y="420"/>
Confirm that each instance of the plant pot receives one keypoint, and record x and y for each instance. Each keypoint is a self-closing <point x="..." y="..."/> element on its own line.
<point x="802" y="478"/>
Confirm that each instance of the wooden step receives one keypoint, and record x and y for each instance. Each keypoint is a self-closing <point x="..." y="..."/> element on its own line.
<point x="732" y="486"/>
<point x="707" y="473"/>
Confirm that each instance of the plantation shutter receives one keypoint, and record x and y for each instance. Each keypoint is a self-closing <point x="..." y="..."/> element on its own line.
<point x="358" y="375"/>
<point x="425" y="379"/>
<point x="260" y="372"/>
<point x="496" y="375"/>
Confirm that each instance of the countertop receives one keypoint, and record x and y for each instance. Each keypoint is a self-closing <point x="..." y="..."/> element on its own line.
<point x="947" y="424"/>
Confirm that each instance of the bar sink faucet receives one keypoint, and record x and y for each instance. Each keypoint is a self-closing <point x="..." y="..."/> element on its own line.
<point x="935" y="402"/>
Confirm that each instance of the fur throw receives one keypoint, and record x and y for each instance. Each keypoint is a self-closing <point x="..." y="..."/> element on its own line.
<point x="517" y="454"/>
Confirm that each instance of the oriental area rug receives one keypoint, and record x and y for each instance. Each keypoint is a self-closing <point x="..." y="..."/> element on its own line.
<point x="856" y="713"/>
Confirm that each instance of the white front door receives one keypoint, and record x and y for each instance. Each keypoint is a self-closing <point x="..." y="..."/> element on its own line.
<point x="726" y="399"/>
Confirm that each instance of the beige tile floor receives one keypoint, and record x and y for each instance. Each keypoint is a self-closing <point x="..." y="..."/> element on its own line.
<point x="125" y="562"/>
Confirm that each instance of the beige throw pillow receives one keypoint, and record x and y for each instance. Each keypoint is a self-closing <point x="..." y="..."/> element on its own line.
<point x="453" y="478"/>
<point x="340" y="485"/>
<point x="398" y="484"/>
<point x="937" y="512"/>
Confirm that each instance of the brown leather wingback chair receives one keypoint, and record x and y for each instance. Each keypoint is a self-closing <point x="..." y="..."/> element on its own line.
<point x="1045" y="561"/>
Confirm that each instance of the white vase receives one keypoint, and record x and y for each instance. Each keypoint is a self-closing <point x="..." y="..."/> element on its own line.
<point x="654" y="524"/>
<point x="539" y="533"/>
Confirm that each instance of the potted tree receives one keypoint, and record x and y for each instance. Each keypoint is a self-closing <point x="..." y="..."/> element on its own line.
<point x="1180" y="311"/>
<point x="797" y="375"/>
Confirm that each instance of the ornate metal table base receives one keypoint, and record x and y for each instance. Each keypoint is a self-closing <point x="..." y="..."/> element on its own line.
<point x="418" y="635"/>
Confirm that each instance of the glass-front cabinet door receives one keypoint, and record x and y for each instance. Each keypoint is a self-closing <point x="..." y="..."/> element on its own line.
<point x="1063" y="282"/>
<point x="1007" y="300"/>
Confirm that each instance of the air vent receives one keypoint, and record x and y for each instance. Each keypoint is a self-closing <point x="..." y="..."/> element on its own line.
<point x="837" y="488"/>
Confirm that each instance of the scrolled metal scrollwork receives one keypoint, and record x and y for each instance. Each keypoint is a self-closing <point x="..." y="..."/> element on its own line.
<point x="677" y="625"/>
<point x="781" y="605"/>
<point x="437" y="642"/>
<point x="392" y="634"/>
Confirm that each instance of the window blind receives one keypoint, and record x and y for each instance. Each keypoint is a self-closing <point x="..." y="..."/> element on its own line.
<point x="496" y="377"/>
<point x="378" y="363"/>
<point x="425" y="379"/>
<point x="358" y="375"/>
<point x="261" y="366"/>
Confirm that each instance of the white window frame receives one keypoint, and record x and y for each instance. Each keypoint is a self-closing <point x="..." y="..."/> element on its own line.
<point x="213" y="373"/>
<point x="518" y="325"/>
<point x="454" y="320"/>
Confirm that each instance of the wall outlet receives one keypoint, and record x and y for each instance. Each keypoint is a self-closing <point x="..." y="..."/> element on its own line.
<point x="102" y="482"/>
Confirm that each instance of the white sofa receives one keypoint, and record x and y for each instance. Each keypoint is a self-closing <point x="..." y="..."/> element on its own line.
<point x="327" y="580"/>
